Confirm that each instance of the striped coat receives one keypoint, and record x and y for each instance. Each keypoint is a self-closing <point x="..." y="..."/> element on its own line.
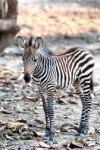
<point x="48" y="71"/>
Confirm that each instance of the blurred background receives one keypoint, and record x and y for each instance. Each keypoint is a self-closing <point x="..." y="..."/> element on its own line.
<point x="62" y="24"/>
<point x="67" y="22"/>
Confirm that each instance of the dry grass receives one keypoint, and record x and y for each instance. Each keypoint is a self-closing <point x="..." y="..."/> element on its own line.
<point x="55" y="20"/>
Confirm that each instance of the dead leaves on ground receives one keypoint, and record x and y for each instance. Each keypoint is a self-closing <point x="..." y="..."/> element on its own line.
<point x="67" y="127"/>
<point x="25" y="97"/>
<point x="42" y="144"/>
<point x="15" y="125"/>
<point x="6" y="75"/>
<point x="74" y="101"/>
<point x="78" y="144"/>
<point x="74" y="144"/>
<point x="5" y="111"/>
<point x="81" y="143"/>
<point x="20" y="130"/>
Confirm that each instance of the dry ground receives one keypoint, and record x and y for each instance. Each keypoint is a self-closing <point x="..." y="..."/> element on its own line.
<point x="62" y="25"/>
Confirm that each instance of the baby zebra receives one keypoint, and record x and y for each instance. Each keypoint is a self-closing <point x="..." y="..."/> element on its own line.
<point x="48" y="71"/>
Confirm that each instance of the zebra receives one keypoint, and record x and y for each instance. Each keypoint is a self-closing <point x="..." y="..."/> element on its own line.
<point x="50" y="72"/>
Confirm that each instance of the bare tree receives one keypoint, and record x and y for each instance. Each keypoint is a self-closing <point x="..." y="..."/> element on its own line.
<point x="8" y="26"/>
<point x="3" y="8"/>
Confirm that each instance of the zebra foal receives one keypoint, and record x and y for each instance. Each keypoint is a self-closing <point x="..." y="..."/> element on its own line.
<point x="74" y="68"/>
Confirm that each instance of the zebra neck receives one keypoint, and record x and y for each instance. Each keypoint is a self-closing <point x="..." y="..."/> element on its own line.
<point x="44" y="65"/>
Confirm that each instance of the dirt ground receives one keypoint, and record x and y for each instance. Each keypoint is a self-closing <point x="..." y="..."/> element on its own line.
<point x="62" y="24"/>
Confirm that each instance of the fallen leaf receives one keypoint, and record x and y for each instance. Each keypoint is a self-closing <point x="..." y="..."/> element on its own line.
<point x="8" y="137"/>
<point x="39" y="121"/>
<point x="74" y="101"/>
<point x="7" y="75"/>
<point x="71" y="126"/>
<point x="61" y="143"/>
<point x="37" y="133"/>
<point x="57" y="130"/>
<point x="15" y="125"/>
<point x="27" y="135"/>
<point x="76" y="144"/>
<point x="61" y="101"/>
<point x="42" y="144"/>
<point x="18" y="98"/>
<point x="22" y="120"/>
<point x="34" y="99"/>
<point x="6" y="111"/>
<point x="3" y="80"/>
<point x="56" y="146"/>
<point x="66" y="143"/>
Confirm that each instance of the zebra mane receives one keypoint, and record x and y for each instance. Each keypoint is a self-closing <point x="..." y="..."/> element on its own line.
<point x="45" y="51"/>
<point x="30" y="41"/>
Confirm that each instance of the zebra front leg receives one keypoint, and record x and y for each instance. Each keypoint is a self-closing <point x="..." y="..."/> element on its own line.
<point x="45" y="108"/>
<point x="51" y="116"/>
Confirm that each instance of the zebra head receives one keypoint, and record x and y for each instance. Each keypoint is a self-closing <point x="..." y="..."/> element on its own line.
<point x="29" y="57"/>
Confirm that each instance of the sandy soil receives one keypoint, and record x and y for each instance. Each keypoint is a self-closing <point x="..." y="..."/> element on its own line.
<point x="62" y="25"/>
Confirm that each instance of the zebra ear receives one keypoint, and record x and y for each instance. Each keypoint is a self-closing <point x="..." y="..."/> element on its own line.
<point x="38" y="42"/>
<point x="20" y="41"/>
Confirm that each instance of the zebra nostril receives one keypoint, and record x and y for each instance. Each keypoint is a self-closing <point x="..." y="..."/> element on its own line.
<point x="27" y="77"/>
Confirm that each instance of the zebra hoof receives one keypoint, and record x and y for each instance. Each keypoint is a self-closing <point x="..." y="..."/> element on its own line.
<point x="50" y="143"/>
<point x="80" y="135"/>
<point x="83" y="131"/>
<point x="46" y="138"/>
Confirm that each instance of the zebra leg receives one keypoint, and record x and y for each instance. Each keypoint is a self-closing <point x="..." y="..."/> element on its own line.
<point x="51" y="116"/>
<point x="86" y="109"/>
<point x="45" y="108"/>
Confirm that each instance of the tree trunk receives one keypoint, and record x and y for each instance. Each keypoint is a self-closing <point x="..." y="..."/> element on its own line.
<point x="8" y="26"/>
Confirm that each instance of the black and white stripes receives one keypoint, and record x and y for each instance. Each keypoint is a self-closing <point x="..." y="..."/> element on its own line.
<point x="73" y="68"/>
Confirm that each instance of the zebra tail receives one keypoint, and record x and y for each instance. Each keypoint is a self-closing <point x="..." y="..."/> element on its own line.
<point x="92" y="85"/>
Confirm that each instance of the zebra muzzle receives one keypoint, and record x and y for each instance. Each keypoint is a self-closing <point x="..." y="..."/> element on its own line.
<point x="27" y="77"/>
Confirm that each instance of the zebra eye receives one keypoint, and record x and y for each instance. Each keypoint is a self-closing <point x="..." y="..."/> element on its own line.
<point x="22" y="58"/>
<point x="35" y="60"/>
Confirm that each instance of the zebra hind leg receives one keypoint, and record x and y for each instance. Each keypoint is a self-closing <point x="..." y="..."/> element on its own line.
<point x="86" y="108"/>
